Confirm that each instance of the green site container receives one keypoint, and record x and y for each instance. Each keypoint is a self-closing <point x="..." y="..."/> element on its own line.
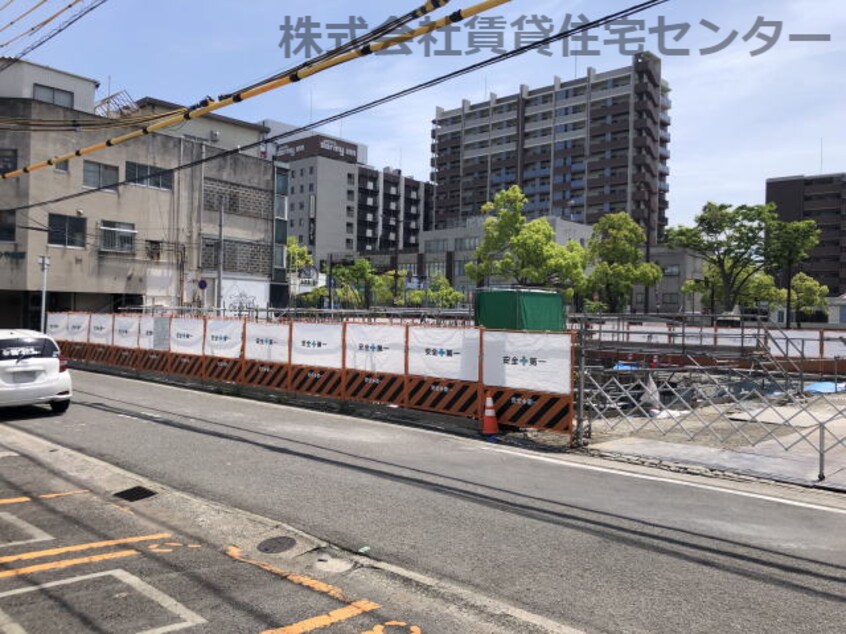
<point x="520" y="309"/>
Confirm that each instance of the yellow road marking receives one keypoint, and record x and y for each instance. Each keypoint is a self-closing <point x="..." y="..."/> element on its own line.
<point x="301" y="580"/>
<point x="47" y="496"/>
<point x="380" y="629"/>
<point x="53" y="496"/>
<point x="80" y="547"/>
<point x="67" y="563"/>
<point x="15" y="500"/>
<point x="325" y="620"/>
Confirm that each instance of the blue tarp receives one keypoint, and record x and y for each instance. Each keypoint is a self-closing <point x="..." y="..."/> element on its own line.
<point x="825" y="387"/>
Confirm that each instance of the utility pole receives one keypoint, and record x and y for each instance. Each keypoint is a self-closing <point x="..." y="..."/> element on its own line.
<point x="44" y="261"/>
<point x="221" y="210"/>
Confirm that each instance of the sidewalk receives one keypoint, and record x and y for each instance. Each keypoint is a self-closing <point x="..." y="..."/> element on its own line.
<point x="768" y="459"/>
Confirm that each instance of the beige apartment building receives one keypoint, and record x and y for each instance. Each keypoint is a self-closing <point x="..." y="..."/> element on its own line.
<point x="154" y="242"/>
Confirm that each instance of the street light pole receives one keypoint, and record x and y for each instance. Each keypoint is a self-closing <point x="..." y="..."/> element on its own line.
<point x="44" y="261"/>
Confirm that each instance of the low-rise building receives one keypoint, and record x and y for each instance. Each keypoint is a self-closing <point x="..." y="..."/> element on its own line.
<point x="152" y="242"/>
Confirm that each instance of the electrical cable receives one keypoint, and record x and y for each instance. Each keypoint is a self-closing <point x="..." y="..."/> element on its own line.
<point x="57" y="31"/>
<point x="208" y="106"/>
<point x="23" y="15"/>
<point x="41" y="24"/>
<point x="622" y="14"/>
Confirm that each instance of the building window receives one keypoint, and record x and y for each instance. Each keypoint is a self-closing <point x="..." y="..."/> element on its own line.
<point x="56" y="96"/>
<point x="66" y="231"/>
<point x="350" y="211"/>
<point x="99" y="175"/>
<point x="670" y="298"/>
<point x="436" y="246"/>
<point x="435" y="268"/>
<point x="8" y="160"/>
<point x="7" y="225"/>
<point x="302" y="189"/>
<point x="311" y="187"/>
<point x="467" y="244"/>
<point x="350" y="179"/>
<point x="148" y="175"/>
<point x="350" y="228"/>
<point x="117" y="237"/>
<point x="350" y="195"/>
<point x="671" y="270"/>
<point x="350" y="245"/>
<point x="64" y="167"/>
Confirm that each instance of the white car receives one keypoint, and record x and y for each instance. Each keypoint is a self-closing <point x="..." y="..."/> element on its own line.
<point x="33" y="371"/>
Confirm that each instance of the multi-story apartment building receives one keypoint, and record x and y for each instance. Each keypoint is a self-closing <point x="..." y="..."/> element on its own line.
<point x="823" y="199"/>
<point x="579" y="149"/>
<point x="340" y="207"/>
<point x="153" y="242"/>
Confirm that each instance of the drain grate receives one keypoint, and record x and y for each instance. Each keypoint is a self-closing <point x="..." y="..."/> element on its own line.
<point x="135" y="494"/>
<point x="277" y="545"/>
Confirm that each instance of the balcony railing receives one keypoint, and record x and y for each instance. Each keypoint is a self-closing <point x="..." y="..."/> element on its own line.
<point x="117" y="240"/>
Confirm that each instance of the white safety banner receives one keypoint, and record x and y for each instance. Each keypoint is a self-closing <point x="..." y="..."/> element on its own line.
<point x="317" y="345"/>
<point x="224" y="338"/>
<point x="147" y="333"/>
<point x="267" y="342"/>
<point x="57" y="326"/>
<point x="186" y="335"/>
<point x="445" y="353"/>
<point x="376" y="348"/>
<point x="127" y="329"/>
<point x="78" y="327"/>
<point x="100" y="331"/>
<point x="529" y="361"/>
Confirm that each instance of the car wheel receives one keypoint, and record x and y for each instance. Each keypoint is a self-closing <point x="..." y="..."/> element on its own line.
<point x="60" y="407"/>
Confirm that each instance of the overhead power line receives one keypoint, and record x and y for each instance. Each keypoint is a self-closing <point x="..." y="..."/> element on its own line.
<point x="53" y="125"/>
<point x="41" y="24"/>
<point x="58" y="30"/>
<point x="23" y="15"/>
<point x="611" y="17"/>
<point x="208" y="106"/>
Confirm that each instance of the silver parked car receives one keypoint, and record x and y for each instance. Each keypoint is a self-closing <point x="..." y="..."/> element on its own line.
<point x="33" y="371"/>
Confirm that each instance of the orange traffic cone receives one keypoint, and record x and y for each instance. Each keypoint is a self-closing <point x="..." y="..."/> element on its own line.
<point x="490" y="426"/>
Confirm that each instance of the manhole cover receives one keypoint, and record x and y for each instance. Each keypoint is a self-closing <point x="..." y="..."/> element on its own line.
<point x="277" y="544"/>
<point x="135" y="493"/>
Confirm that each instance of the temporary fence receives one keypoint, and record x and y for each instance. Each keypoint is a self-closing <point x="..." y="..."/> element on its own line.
<point x="443" y="369"/>
<point x="745" y="389"/>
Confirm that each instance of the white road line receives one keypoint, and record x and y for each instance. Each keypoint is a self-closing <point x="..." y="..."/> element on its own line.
<point x="685" y="483"/>
<point x="36" y="533"/>
<point x="189" y="618"/>
<point x="531" y="456"/>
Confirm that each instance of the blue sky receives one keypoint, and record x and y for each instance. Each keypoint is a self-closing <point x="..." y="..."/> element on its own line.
<point x="737" y="119"/>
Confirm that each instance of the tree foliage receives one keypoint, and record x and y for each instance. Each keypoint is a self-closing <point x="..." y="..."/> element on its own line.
<point x="761" y="287"/>
<point x="298" y="255"/>
<point x="809" y="294"/>
<point x="615" y="253"/>
<point x="521" y="251"/>
<point x="740" y="242"/>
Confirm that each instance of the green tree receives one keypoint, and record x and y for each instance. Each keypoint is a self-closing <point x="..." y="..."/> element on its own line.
<point x="442" y="294"/>
<point x="614" y="251"/>
<point x="791" y="242"/>
<point x="525" y="252"/>
<point x="353" y="282"/>
<point x="810" y="294"/>
<point x="298" y="255"/>
<point x="760" y="287"/>
<point x="740" y="242"/>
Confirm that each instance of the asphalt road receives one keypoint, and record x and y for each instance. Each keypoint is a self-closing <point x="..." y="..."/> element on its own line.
<point x="591" y="546"/>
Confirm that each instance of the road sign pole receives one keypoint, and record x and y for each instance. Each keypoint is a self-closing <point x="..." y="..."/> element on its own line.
<point x="44" y="261"/>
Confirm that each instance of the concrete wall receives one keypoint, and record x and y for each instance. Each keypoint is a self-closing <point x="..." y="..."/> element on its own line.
<point x="17" y="81"/>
